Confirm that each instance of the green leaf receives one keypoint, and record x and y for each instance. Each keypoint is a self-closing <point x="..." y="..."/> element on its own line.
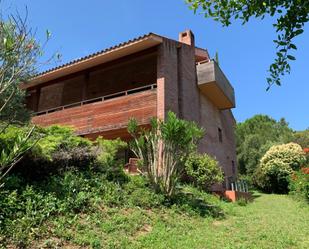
<point x="291" y="57"/>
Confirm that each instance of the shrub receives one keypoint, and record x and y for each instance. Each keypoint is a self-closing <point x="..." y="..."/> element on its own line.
<point x="21" y="213"/>
<point x="107" y="158"/>
<point x="15" y="141"/>
<point x="139" y="193"/>
<point x="56" y="138"/>
<point x="162" y="149"/>
<point x="203" y="170"/>
<point x="277" y="165"/>
<point x="291" y="154"/>
<point x="273" y="177"/>
<point x="299" y="185"/>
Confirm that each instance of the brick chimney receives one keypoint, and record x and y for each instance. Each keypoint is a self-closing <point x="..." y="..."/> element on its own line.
<point x="187" y="37"/>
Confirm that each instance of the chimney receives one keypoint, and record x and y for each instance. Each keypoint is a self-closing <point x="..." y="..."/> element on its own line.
<point x="187" y="37"/>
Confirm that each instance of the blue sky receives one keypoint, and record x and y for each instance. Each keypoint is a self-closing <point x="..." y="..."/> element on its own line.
<point x="245" y="52"/>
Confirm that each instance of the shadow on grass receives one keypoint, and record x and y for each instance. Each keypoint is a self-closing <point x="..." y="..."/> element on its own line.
<point x="255" y="195"/>
<point x="188" y="202"/>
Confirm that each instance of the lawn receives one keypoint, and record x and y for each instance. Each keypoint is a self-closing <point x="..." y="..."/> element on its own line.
<point x="271" y="221"/>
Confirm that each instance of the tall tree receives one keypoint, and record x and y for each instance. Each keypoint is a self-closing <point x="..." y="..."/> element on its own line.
<point x="291" y="16"/>
<point x="255" y="136"/>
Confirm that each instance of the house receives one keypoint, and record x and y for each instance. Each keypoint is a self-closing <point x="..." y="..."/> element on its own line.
<point x="142" y="78"/>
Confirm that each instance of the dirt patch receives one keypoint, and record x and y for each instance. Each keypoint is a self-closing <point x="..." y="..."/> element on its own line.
<point x="143" y="231"/>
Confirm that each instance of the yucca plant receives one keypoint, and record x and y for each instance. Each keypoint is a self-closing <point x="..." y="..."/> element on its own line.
<point x="163" y="148"/>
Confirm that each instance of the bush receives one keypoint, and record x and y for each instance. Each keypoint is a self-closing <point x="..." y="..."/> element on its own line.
<point x="107" y="158"/>
<point x="203" y="170"/>
<point x="56" y="138"/>
<point x="276" y="167"/>
<point x="59" y="149"/>
<point x="299" y="185"/>
<point x="21" y="213"/>
<point x="139" y="193"/>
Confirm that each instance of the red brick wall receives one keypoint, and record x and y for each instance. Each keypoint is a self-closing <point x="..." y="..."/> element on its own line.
<point x="102" y="116"/>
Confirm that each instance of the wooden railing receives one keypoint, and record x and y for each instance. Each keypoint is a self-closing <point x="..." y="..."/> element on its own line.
<point x="98" y="99"/>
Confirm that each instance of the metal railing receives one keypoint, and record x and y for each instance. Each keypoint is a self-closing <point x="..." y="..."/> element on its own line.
<point x="239" y="185"/>
<point x="98" y="99"/>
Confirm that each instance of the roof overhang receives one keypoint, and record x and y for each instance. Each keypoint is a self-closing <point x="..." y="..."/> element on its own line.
<point x="107" y="55"/>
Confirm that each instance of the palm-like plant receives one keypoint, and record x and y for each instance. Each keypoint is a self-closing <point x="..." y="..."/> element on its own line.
<point x="161" y="149"/>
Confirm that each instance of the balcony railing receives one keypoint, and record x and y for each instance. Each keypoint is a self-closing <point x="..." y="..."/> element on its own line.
<point x="98" y="99"/>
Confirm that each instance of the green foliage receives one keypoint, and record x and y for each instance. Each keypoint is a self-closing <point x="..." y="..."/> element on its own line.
<point x="22" y="213"/>
<point x="19" y="52"/>
<point x="301" y="138"/>
<point x="255" y="136"/>
<point x="29" y="212"/>
<point x="242" y="202"/>
<point x="163" y="148"/>
<point x="140" y="194"/>
<point x="14" y="143"/>
<point x="299" y="185"/>
<point x="108" y="149"/>
<point x="107" y="158"/>
<point x="57" y="149"/>
<point x="55" y="138"/>
<point x="203" y="170"/>
<point x="277" y="165"/>
<point x="291" y="16"/>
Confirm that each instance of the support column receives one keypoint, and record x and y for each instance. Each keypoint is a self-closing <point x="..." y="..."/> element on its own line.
<point x="167" y="78"/>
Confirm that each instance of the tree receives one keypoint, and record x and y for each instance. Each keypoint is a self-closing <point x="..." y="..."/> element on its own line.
<point x="302" y="138"/>
<point x="19" y="52"/>
<point x="255" y="136"/>
<point x="163" y="148"/>
<point x="291" y="16"/>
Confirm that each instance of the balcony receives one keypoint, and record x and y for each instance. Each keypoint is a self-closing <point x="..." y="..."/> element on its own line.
<point x="214" y="85"/>
<point x="103" y="114"/>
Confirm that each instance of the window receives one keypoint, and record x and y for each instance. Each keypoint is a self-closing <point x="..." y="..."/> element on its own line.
<point x="220" y="135"/>
<point x="233" y="167"/>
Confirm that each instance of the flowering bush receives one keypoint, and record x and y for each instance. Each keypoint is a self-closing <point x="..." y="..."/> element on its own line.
<point x="277" y="165"/>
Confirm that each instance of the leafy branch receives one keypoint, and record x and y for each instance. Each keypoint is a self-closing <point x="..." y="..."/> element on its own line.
<point x="291" y="16"/>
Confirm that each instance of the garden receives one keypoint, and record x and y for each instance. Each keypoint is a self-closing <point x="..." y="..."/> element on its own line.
<point x="60" y="190"/>
<point x="69" y="192"/>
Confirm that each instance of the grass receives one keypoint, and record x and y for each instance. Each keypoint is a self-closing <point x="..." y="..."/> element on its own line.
<point x="271" y="221"/>
<point x="194" y="220"/>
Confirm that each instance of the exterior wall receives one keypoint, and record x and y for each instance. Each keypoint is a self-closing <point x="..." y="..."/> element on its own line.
<point x="225" y="152"/>
<point x="167" y="78"/>
<point x="110" y="115"/>
<point x="178" y="91"/>
<point x="189" y="97"/>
